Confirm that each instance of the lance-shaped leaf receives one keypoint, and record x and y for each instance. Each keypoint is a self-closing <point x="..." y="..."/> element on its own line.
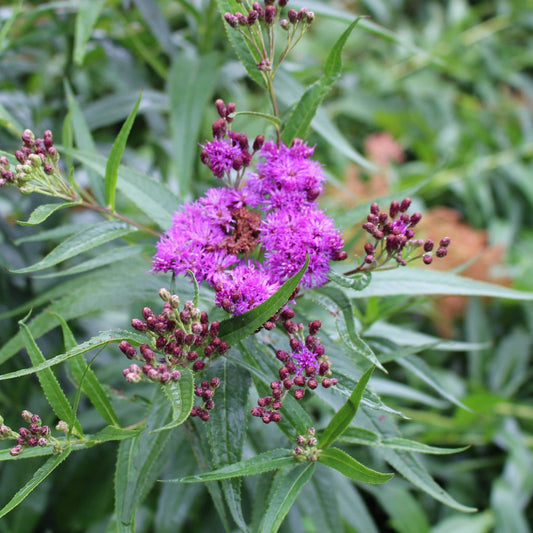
<point x="113" y="161"/>
<point x="99" y="340"/>
<point x="180" y="394"/>
<point x="88" y="13"/>
<point x="140" y="460"/>
<point x="40" y="475"/>
<point x="357" y="281"/>
<point x="87" y="239"/>
<point x="86" y="377"/>
<point x="239" y="327"/>
<point x="41" y="213"/>
<point x="344" y="416"/>
<point x="285" y="488"/>
<point x="51" y="387"/>
<point x="299" y="120"/>
<point x="348" y="466"/>
<point x="259" y="464"/>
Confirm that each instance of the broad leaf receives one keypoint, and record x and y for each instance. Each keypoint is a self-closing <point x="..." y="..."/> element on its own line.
<point x="348" y="466"/>
<point x="344" y="416"/>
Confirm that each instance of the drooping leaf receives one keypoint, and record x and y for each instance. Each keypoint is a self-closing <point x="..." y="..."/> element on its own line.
<point x="233" y="330"/>
<point x="348" y="466"/>
<point x="180" y="395"/>
<point x="85" y="240"/>
<point x="99" y="340"/>
<point x="344" y="416"/>
<point x="115" y="156"/>
<point x="357" y="281"/>
<point x="40" y="475"/>
<point x="51" y="387"/>
<point x="90" y="384"/>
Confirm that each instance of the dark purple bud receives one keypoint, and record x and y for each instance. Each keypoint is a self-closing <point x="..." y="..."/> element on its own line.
<point x="198" y="365"/>
<point x="282" y="3"/>
<point x="314" y="326"/>
<point x="394" y="209"/>
<point x="270" y="14"/>
<point x="326" y="383"/>
<point x="252" y="17"/>
<point x="299" y="394"/>
<point x="294" y="343"/>
<point x="209" y="404"/>
<point x="442" y="252"/>
<point x="283" y="373"/>
<point x="219" y="128"/>
<point x="404" y="206"/>
<point x="293" y="16"/>
<point x="409" y="233"/>
<point x="312" y="383"/>
<point x="445" y="241"/>
<point x="288" y="383"/>
<point x="288" y="313"/>
<point x="221" y="107"/>
<point x="257" y="411"/>
<point x="428" y="246"/>
<point x="427" y="259"/>
<point x="230" y="109"/>
<point x="16" y="450"/>
<point x="127" y="349"/>
<point x="231" y="20"/>
<point x="368" y="226"/>
<point x="299" y="381"/>
<point x="275" y="417"/>
<point x="259" y="141"/>
<point x="415" y="219"/>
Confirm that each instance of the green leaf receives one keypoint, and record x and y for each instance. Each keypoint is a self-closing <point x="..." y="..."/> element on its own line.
<point x="191" y="84"/>
<point x="115" y="156"/>
<point x="301" y="116"/>
<point x="270" y="118"/>
<point x="238" y="42"/>
<point x="41" y="213"/>
<point x="99" y="340"/>
<point x="337" y="303"/>
<point x="196" y="297"/>
<point x="259" y="464"/>
<point x="117" y="253"/>
<point x="153" y="198"/>
<point x="236" y="329"/>
<point x="86" y="239"/>
<point x="86" y="18"/>
<point x="140" y="461"/>
<point x="227" y="428"/>
<point x="358" y="281"/>
<point x="418" y="281"/>
<point x="84" y="140"/>
<point x="344" y="416"/>
<point x="180" y="395"/>
<point x="83" y="373"/>
<point x="51" y="387"/>
<point x="285" y="488"/>
<point x="348" y="466"/>
<point x="366" y="437"/>
<point x="40" y="475"/>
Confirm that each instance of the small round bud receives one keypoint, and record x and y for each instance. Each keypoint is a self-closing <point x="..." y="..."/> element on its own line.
<point x="442" y="252"/>
<point x="427" y="259"/>
<point x="445" y="242"/>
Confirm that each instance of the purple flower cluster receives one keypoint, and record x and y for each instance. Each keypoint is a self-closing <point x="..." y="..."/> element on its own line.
<point x="247" y="241"/>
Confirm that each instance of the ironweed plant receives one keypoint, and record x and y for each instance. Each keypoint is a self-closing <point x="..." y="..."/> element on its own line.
<point x="247" y="372"/>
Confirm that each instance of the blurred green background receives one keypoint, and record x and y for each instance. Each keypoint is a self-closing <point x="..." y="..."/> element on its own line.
<point x="436" y="102"/>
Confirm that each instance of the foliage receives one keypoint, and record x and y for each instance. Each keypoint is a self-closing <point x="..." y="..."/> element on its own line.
<point x="450" y="83"/>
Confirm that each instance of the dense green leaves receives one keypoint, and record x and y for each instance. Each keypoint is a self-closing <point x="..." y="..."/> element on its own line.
<point x="180" y="395"/>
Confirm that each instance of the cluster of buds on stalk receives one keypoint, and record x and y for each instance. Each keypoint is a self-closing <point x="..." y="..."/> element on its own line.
<point x="38" y="169"/>
<point x="257" y="25"/>
<point x="205" y="391"/>
<point x="229" y="150"/>
<point x="177" y="339"/>
<point x="32" y="436"/>
<point x="306" y="449"/>
<point x="393" y="235"/>
<point x="306" y="366"/>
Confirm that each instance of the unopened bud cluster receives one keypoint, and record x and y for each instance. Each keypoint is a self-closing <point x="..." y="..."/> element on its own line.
<point x="257" y="23"/>
<point x="305" y="367"/>
<point x="177" y="339"/>
<point x="393" y="235"/>
<point x="229" y="150"/>
<point x="38" y="169"/>
<point x="306" y="449"/>
<point x="205" y="391"/>
<point x="35" y="434"/>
